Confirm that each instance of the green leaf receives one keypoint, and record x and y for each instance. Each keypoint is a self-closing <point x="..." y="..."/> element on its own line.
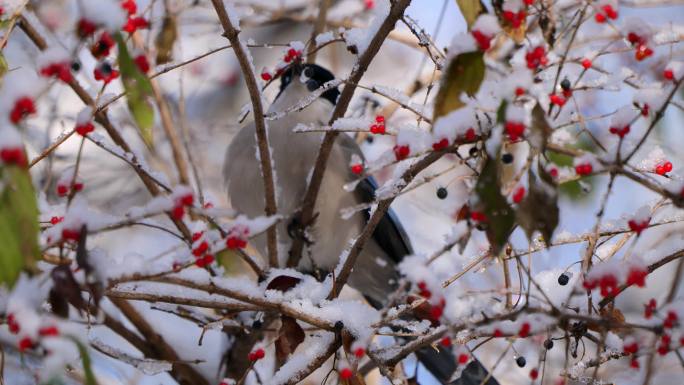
<point x="500" y="216"/>
<point x="538" y="211"/>
<point x="87" y="366"/>
<point x="540" y="130"/>
<point x="464" y="74"/>
<point x="138" y="88"/>
<point x="4" y="67"/>
<point x="18" y="224"/>
<point x="470" y="9"/>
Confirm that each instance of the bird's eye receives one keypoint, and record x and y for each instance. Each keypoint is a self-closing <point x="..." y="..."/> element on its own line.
<point x="312" y="85"/>
<point x="308" y="72"/>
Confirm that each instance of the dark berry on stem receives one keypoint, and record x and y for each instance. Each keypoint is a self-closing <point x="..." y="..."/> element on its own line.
<point x="521" y="361"/>
<point x="507" y="158"/>
<point x="565" y="84"/>
<point x="442" y="193"/>
<point x="563" y="279"/>
<point x="548" y="344"/>
<point x="75" y="66"/>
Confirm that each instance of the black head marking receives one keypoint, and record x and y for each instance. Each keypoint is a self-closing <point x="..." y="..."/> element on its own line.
<point x="317" y="76"/>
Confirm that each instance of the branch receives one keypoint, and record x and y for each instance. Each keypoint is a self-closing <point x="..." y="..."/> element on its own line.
<point x="308" y="204"/>
<point x="231" y="32"/>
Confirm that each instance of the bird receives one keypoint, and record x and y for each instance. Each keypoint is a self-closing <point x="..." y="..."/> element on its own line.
<point x="375" y="273"/>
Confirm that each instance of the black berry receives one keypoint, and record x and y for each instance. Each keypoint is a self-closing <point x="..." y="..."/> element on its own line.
<point x="563" y="279"/>
<point x="75" y="66"/>
<point x="339" y="325"/>
<point x="369" y="138"/>
<point x="442" y="193"/>
<point x="507" y="158"/>
<point x="257" y="324"/>
<point x="565" y="84"/>
<point x="521" y="361"/>
<point x="548" y="344"/>
<point x="106" y="68"/>
<point x="473" y="151"/>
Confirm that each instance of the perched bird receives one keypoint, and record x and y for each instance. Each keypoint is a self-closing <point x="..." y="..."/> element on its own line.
<point x="294" y="154"/>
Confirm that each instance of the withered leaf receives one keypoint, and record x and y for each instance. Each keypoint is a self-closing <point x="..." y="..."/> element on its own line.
<point x="539" y="209"/>
<point x="283" y="283"/>
<point x="500" y="217"/>
<point x="470" y="9"/>
<point x="289" y="337"/>
<point x="64" y="284"/>
<point x="464" y="73"/>
<point x="166" y="39"/>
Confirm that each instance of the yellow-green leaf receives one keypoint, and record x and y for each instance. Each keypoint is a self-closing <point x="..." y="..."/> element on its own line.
<point x="4" y="67"/>
<point x="463" y="74"/>
<point x="18" y="224"/>
<point x="470" y="9"/>
<point x="138" y="88"/>
<point x="166" y="39"/>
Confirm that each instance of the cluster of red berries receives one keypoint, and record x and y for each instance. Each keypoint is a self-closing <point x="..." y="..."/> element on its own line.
<point x="61" y="71"/>
<point x="135" y="23"/>
<point x="604" y="13"/>
<point x="180" y="203"/>
<point x="64" y="189"/>
<point x="640" y="43"/>
<point x="200" y="252"/>
<point x="379" y="126"/>
<point x="638" y="225"/>
<point x="368" y="4"/>
<point x="478" y="216"/>
<point x="584" y="169"/>
<point x="55" y="220"/>
<point x="71" y="234"/>
<point x="102" y="46"/>
<point x="608" y="284"/>
<point x="13" y="155"/>
<point x="84" y="129"/>
<point x="27" y="343"/>
<point x="558" y="100"/>
<point x="256" y="355"/>
<point x="292" y="54"/>
<point x="536" y="57"/>
<point x="436" y="310"/>
<point x="524" y="330"/>
<point x="663" y="168"/>
<point x="23" y="107"/>
<point x="237" y="237"/>
<point x="514" y="130"/>
<point x="637" y="276"/>
<point x="515" y="19"/>
<point x="620" y="131"/>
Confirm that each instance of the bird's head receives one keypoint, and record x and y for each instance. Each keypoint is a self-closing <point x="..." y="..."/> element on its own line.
<point x="312" y="76"/>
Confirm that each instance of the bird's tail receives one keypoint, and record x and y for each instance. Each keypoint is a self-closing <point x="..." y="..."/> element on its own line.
<point x="442" y="365"/>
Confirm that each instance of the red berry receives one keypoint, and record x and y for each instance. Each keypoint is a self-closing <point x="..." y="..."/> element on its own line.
<point x="619" y="131"/>
<point x="142" y="63"/>
<point x="369" y="4"/>
<point x="586" y="63"/>
<point x="600" y="18"/>
<point x="357" y="169"/>
<point x="187" y="200"/>
<point x="441" y="145"/>
<point x="292" y="53"/>
<point x="478" y="216"/>
<point x="557" y="100"/>
<point x="178" y="212"/>
<point x="62" y="190"/>
<point x="436" y="312"/>
<point x="637" y="277"/>
<point x="483" y="41"/>
<point x="638" y="227"/>
<point x="235" y="243"/>
<point x="668" y="74"/>
<point x="519" y="91"/>
<point x="12" y="324"/>
<point x="134" y="23"/>
<point x="524" y="330"/>
<point x="634" y="363"/>
<point x="497" y="333"/>
<point x="266" y="76"/>
<point x="71" y="235"/>
<point x="519" y="194"/>
<point x="85" y="28"/>
<point x="528" y="2"/>
<point x="56" y="220"/>
<point x="25" y="344"/>
<point x="610" y="12"/>
<point x="631" y="348"/>
<point x="48" y="331"/>
<point x="514" y="130"/>
<point x="463" y="358"/>
<point x="23" y="107"/>
<point x="257" y="354"/>
<point x="445" y="341"/>
<point x="470" y="135"/>
<point x="650" y="308"/>
<point x="15" y="156"/>
<point x="359" y="352"/>
<point x="380" y="119"/>
<point x="196" y="236"/>
<point x="201" y="249"/>
<point x="129" y="6"/>
<point x="208" y="259"/>
<point x="85" y="128"/>
<point x="346" y="373"/>
<point x="401" y="152"/>
<point x="534" y="373"/>
<point x="176" y="266"/>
